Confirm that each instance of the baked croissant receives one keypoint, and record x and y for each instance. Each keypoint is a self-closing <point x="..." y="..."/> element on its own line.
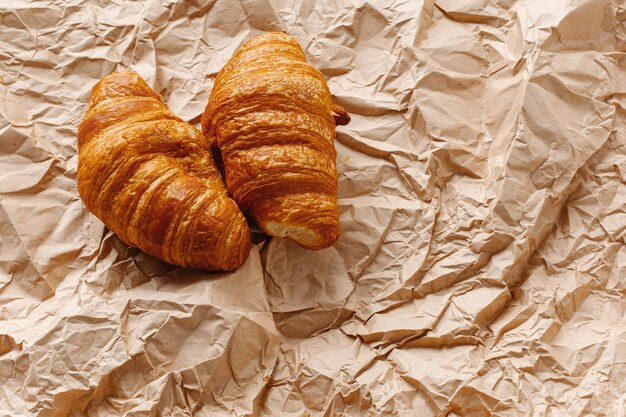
<point x="151" y="179"/>
<point x="271" y="117"/>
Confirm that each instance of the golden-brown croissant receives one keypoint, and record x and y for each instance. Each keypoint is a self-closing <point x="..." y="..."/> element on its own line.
<point x="271" y="116"/>
<point x="151" y="179"/>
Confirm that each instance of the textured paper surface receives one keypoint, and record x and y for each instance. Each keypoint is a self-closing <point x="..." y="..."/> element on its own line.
<point x="481" y="268"/>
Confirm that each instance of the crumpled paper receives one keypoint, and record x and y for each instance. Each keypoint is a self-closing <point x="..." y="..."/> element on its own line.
<point x="481" y="269"/>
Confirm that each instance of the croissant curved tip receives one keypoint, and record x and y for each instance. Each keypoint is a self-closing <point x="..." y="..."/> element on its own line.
<point x="239" y="258"/>
<point x="341" y="116"/>
<point x="125" y="83"/>
<point x="236" y="246"/>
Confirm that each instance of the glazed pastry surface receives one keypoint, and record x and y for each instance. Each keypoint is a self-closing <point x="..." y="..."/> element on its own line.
<point x="150" y="177"/>
<point x="271" y="118"/>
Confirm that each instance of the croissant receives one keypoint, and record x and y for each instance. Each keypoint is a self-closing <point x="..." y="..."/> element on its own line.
<point x="271" y="118"/>
<point x="151" y="179"/>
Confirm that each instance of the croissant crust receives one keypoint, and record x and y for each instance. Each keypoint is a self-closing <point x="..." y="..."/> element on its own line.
<point x="271" y="117"/>
<point x="151" y="179"/>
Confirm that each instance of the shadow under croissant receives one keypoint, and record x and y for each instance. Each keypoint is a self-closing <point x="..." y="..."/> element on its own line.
<point x="152" y="267"/>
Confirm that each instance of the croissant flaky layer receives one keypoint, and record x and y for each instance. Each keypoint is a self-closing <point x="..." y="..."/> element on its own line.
<point x="271" y="116"/>
<point x="151" y="179"/>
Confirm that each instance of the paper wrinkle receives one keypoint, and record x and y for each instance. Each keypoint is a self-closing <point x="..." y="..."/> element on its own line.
<point x="481" y="265"/>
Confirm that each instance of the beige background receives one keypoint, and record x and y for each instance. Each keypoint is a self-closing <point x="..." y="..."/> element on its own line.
<point x="481" y="268"/>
